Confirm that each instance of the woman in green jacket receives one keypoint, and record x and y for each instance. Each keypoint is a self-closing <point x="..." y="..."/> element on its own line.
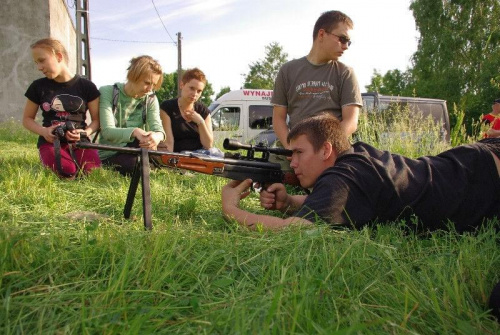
<point x="130" y="113"/>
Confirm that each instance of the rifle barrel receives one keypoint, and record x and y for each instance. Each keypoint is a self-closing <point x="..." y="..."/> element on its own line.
<point x="232" y="144"/>
<point x="137" y="151"/>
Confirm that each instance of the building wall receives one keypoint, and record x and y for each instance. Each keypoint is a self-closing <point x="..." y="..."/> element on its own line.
<point x="21" y="24"/>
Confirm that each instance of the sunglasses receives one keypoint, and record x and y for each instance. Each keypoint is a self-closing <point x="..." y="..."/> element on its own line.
<point x="342" y="39"/>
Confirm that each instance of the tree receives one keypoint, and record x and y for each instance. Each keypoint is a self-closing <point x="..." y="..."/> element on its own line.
<point x="458" y="52"/>
<point x="206" y="96"/>
<point x="393" y="82"/>
<point x="223" y="91"/>
<point x="457" y="56"/>
<point x="376" y="83"/>
<point x="263" y="73"/>
<point x="168" y="89"/>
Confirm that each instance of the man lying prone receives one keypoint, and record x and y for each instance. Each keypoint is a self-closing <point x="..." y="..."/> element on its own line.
<point x="355" y="185"/>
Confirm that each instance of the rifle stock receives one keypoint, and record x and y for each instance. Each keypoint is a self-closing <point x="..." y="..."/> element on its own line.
<point x="260" y="170"/>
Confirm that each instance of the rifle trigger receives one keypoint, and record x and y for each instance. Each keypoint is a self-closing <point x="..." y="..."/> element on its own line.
<point x="173" y="161"/>
<point x="257" y="187"/>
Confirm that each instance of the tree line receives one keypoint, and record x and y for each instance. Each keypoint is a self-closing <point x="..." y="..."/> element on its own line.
<point x="261" y="75"/>
<point x="458" y="56"/>
<point x="457" y="59"/>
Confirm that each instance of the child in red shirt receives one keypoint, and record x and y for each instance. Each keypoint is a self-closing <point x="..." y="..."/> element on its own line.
<point x="493" y="119"/>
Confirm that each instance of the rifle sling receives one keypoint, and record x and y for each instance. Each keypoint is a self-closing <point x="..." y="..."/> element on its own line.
<point x="57" y="154"/>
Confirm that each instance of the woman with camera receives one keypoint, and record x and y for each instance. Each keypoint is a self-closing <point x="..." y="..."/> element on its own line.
<point x="130" y="113"/>
<point x="64" y="99"/>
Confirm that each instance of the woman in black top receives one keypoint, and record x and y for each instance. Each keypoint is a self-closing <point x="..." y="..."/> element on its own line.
<point x="64" y="99"/>
<point x="187" y="122"/>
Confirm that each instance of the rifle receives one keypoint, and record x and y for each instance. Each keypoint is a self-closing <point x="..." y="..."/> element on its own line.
<point x="234" y="166"/>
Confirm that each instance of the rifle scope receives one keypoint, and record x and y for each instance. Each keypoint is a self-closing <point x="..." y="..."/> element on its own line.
<point x="231" y="144"/>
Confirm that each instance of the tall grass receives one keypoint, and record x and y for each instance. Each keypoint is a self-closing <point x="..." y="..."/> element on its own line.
<point x="71" y="264"/>
<point x="402" y="131"/>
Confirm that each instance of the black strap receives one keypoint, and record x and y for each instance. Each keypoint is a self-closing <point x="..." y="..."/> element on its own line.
<point x="72" y="154"/>
<point x="57" y="153"/>
<point x="149" y="98"/>
<point x="116" y="95"/>
<point x="145" y="110"/>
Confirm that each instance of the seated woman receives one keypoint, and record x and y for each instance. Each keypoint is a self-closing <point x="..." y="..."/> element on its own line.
<point x="130" y="114"/>
<point x="186" y="121"/>
<point x="63" y="99"/>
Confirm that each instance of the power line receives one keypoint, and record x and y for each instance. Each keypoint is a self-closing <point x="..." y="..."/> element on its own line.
<point x="130" y="41"/>
<point x="158" y="13"/>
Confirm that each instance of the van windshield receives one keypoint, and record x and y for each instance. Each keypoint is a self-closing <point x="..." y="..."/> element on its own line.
<point x="213" y="106"/>
<point x="260" y="116"/>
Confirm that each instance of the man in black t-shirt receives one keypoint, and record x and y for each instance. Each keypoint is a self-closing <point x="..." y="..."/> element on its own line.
<point x="356" y="185"/>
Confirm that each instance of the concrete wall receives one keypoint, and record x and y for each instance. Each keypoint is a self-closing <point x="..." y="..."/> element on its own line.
<point x="21" y="24"/>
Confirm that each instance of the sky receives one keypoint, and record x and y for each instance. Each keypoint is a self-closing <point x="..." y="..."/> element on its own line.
<point x="224" y="37"/>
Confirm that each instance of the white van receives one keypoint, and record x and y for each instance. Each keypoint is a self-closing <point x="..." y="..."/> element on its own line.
<point x="242" y="114"/>
<point x="374" y="102"/>
<point x="247" y="115"/>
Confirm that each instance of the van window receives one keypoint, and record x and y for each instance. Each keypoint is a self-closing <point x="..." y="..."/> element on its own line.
<point x="226" y="119"/>
<point x="260" y="116"/>
<point x="368" y="103"/>
<point x="436" y="110"/>
<point x="392" y="105"/>
<point x="383" y="105"/>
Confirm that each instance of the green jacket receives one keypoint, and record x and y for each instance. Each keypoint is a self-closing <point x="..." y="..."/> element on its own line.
<point x="117" y="129"/>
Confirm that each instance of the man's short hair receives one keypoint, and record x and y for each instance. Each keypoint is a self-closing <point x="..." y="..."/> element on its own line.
<point x="329" y="21"/>
<point x="320" y="129"/>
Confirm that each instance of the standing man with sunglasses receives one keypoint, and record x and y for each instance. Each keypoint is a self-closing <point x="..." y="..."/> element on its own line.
<point x="318" y="82"/>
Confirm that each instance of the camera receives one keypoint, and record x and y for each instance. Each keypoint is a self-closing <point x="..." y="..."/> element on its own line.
<point x="61" y="129"/>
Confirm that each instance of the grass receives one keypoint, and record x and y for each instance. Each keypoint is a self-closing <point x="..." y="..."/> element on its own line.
<point x="64" y="270"/>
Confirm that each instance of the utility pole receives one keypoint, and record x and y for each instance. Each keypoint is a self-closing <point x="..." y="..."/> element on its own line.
<point x="179" y="63"/>
<point x="82" y="39"/>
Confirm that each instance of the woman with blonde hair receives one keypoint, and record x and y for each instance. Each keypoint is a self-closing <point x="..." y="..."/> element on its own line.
<point x="130" y="113"/>
<point x="64" y="99"/>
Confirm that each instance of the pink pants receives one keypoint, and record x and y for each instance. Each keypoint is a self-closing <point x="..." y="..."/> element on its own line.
<point x="87" y="159"/>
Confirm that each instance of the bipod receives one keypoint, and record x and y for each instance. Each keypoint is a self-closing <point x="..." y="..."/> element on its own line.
<point x="141" y="172"/>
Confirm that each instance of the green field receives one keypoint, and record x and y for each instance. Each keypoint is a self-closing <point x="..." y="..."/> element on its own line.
<point x="71" y="264"/>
